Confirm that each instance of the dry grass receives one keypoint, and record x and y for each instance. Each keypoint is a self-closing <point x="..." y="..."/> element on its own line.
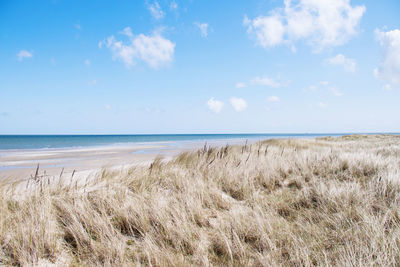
<point x="327" y="201"/>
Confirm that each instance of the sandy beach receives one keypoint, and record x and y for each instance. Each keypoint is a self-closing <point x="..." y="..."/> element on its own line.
<point x="20" y="164"/>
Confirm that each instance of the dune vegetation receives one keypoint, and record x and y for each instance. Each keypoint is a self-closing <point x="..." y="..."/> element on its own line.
<point x="324" y="201"/>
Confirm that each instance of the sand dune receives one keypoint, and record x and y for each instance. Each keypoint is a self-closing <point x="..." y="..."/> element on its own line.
<point x="327" y="201"/>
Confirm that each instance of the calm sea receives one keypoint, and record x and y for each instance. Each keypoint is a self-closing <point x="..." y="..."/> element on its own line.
<point x="68" y="141"/>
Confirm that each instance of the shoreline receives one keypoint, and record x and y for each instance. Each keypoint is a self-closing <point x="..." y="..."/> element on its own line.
<point x="20" y="164"/>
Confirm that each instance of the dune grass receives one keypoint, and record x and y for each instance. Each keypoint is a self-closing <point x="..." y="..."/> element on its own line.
<point x="325" y="201"/>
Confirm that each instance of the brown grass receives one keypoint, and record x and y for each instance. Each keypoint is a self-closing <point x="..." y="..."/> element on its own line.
<point x="327" y="201"/>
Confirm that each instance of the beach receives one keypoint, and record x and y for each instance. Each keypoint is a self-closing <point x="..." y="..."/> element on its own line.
<point x="331" y="201"/>
<point x="20" y="164"/>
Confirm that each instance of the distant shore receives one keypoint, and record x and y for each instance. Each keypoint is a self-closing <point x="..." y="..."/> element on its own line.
<point x="21" y="163"/>
<point x="91" y="153"/>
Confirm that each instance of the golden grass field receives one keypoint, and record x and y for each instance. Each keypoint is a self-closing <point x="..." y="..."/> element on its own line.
<point x="326" y="201"/>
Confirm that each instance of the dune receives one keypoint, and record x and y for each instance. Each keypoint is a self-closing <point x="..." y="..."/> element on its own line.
<point x="288" y="202"/>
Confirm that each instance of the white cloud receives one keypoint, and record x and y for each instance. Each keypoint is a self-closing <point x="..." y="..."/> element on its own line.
<point x="389" y="65"/>
<point x="239" y="104"/>
<point x="127" y="31"/>
<point x="336" y="91"/>
<point x="173" y="5"/>
<point x="203" y="28"/>
<point x="155" y="50"/>
<point x="156" y="11"/>
<point x="24" y="54"/>
<point x="215" y="105"/>
<point x="324" y="83"/>
<point x="269" y="30"/>
<point x="273" y="99"/>
<point x="321" y="105"/>
<point x="348" y="64"/>
<point x="87" y="62"/>
<point x="240" y="85"/>
<point x="321" y="23"/>
<point x="266" y="81"/>
<point x="107" y="106"/>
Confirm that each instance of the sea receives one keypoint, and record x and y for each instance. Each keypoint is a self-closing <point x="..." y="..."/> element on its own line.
<point x="16" y="142"/>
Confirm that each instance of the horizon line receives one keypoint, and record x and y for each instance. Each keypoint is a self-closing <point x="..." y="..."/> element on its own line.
<point x="144" y="134"/>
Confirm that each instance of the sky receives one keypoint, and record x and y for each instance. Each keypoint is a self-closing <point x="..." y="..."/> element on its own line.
<point x="197" y="66"/>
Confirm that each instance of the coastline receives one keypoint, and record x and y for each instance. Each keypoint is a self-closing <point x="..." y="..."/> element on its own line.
<point x="20" y="164"/>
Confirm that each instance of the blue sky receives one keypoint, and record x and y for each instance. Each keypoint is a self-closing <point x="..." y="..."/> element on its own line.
<point x="121" y="67"/>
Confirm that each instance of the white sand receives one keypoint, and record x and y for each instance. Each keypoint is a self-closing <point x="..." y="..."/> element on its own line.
<point x="21" y="164"/>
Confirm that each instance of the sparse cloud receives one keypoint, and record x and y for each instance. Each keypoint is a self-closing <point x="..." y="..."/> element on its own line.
<point x="203" y="27"/>
<point x="154" y="49"/>
<point x="324" y="88"/>
<point x="107" y="107"/>
<point x="87" y="62"/>
<point x="389" y="65"/>
<point x="215" y="105"/>
<point x="173" y="5"/>
<point x="78" y="26"/>
<point x="239" y="104"/>
<point x="321" y="23"/>
<point x="313" y="88"/>
<point x="321" y="105"/>
<point x="24" y="54"/>
<point x="240" y="85"/>
<point x="336" y="91"/>
<point x="127" y="31"/>
<point x="273" y="99"/>
<point x="156" y="11"/>
<point x="348" y="64"/>
<point x="266" y="81"/>
<point x="154" y="110"/>
<point x="324" y="83"/>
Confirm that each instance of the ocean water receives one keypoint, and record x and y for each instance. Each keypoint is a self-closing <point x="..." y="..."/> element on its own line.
<point x="8" y="142"/>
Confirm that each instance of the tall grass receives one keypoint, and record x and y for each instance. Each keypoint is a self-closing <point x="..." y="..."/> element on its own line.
<point x="327" y="201"/>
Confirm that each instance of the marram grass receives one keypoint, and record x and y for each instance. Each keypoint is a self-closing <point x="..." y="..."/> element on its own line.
<point x="327" y="201"/>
